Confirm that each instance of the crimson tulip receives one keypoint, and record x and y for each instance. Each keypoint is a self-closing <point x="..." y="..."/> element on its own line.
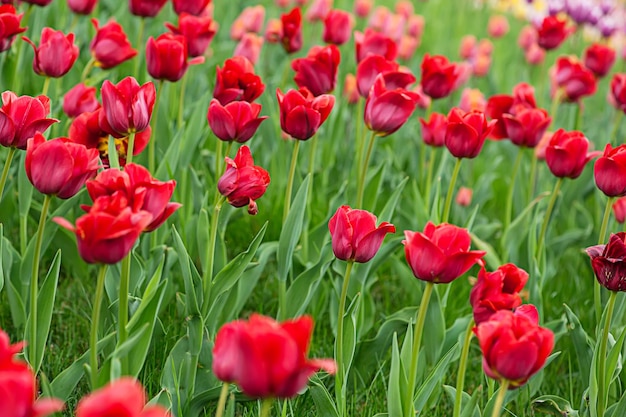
<point x="434" y="130"/>
<point x="439" y="76"/>
<point x="497" y="106"/>
<point x="9" y="26"/>
<point x="192" y="7"/>
<point x="80" y="99"/>
<point x="128" y="106"/>
<point x="552" y="32"/>
<point x="236" y="121"/>
<point x="566" y="153"/>
<point x="599" y="59"/>
<point x="441" y="253"/>
<point x="166" y="57"/>
<point x="618" y="91"/>
<point x="610" y="171"/>
<point x="387" y="109"/>
<point x="318" y="71"/>
<point x="21" y="117"/>
<point x="302" y="114"/>
<point x="56" y="53"/>
<point x="249" y="46"/>
<point x="513" y="344"/>
<point x="338" y="26"/>
<point x="59" y="166"/>
<point x="249" y="20"/>
<point x="619" y="210"/>
<point x="41" y="3"/>
<point x="466" y="133"/>
<point x="265" y="358"/>
<point x="498" y="290"/>
<point x="110" y="47"/>
<point x="372" y="65"/>
<point x="571" y="80"/>
<point x="122" y="397"/>
<point x="197" y="30"/>
<point x="374" y="43"/>
<point x="527" y="127"/>
<point x="291" y="34"/>
<point x="243" y="182"/>
<point x="146" y="8"/>
<point x="609" y="262"/>
<point x="237" y="81"/>
<point x="354" y="234"/>
<point x="84" y="7"/>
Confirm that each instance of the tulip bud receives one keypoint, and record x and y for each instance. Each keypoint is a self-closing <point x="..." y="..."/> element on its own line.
<point x="127" y="106"/>
<point x="166" y="57"/>
<point x="338" y="26"/>
<point x="192" y="7"/>
<point x="609" y="171"/>
<point x="618" y="91"/>
<point x="237" y="121"/>
<point x="566" y="154"/>
<point x="498" y="26"/>
<point x="318" y="70"/>
<point x="599" y="59"/>
<point x="110" y="47"/>
<point x="84" y="7"/>
<point x="237" y="81"/>
<point x="146" y="8"/>
<point x="301" y="113"/>
<point x="464" y="197"/>
<point x="56" y="53"/>
<point x="291" y="34"/>
<point x="439" y="76"/>
<point x="466" y="133"/>
<point x="197" y="30"/>
<point x="619" y="210"/>
<point x="552" y="32"/>
<point x="387" y="109"/>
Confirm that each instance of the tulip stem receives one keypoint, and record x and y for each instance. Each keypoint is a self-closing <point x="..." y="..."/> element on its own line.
<point x="363" y="175"/>
<point x="46" y="86"/>
<point x="153" y="122"/>
<point x="17" y="80"/>
<point x="578" y="116"/>
<point x="292" y="174"/>
<point x="533" y="177"/>
<point x="616" y="122"/>
<point x="207" y="278"/>
<point x="181" y="101"/>
<point x="122" y="320"/>
<point x="87" y="70"/>
<point x="429" y="174"/>
<point x="554" y="107"/>
<point x="546" y="218"/>
<point x="509" y="198"/>
<point x="221" y="404"/>
<point x="602" y="389"/>
<point x="5" y="170"/>
<point x="460" y="378"/>
<point x="597" y="289"/>
<point x="359" y="135"/>
<point x="417" y="341"/>
<point x="34" y="287"/>
<point x="131" y="148"/>
<point x="142" y="25"/>
<point x="340" y="376"/>
<point x="305" y="230"/>
<point x="266" y="407"/>
<point x="497" y="407"/>
<point x="95" y="320"/>
<point x="448" y="203"/>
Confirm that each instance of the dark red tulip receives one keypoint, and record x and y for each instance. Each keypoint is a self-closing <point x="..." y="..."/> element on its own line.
<point x="236" y="121"/>
<point x="292" y="31"/>
<point x="571" y="80"/>
<point x="21" y="117"/>
<point x="237" y="81"/>
<point x="609" y="262"/>
<point x="41" y="3"/>
<point x="56" y="53"/>
<point x="197" y="30"/>
<point x="618" y="91"/>
<point x="146" y="8"/>
<point x="466" y="133"/>
<point x="441" y="253"/>
<point x="84" y="7"/>
<point x="439" y="76"/>
<point x="610" y="171"/>
<point x="128" y="106"/>
<point x="434" y="130"/>
<point x="374" y="43"/>
<point x="387" y="109"/>
<point x="355" y="236"/>
<point x="338" y="26"/>
<point x="110" y="47"/>
<point x="192" y="7"/>
<point x="599" y="59"/>
<point x="166" y="57"/>
<point x="498" y="290"/>
<point x="527" y="127"/>
<point x="243" y="182"/>
<point x="301" y="113"/>
<point x="318" y="71"/>
<point x="369" y="68"/>
<point x="552" y="32"/>
<point x="80" y="99"/>
<point x="566" y="154"/>
<point x="9" y="26"/>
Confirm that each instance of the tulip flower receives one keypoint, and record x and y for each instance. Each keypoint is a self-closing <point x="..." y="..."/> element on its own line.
<point x="237" y="81"/>
<point x="439" y="76"/>
<point x="318" y="71"/>
<point x="249" y="20"/>
<point x="566" y="154"/>
<point x="291" y="36"/>
<point x="552" y="32"/>
<point x="571" y="80"/>
<point x="535" y="55"/>
<point x="197" y="30"/>
<point x="192" y="7"/>
<point x="498" y="26"/>
<point x="415" y="26"/>
<point x="80" y="99"/>
<point x="618" y="91"/>
<point x="497" y="106"/>
<point x="527" y="37"/>
<point x="498" y="290"/>
<point x="355" y="236"/>
<point x="619" y="210"/>
<point x="56" y="53"/>
<point x="250" y="47"/>
<point x="374" y="43"/>
<point x="338" y="26"/>
<point x="41" y="3"/>
<point x="274" y="31"/>
<point x="369" y="68"/>
<point x="267" y="359"/>
<point x="318" y="10"/>
<point x="434" y="130"/>
<point x="128" y="106"/>
<point x="21" y="117"/>
<point x="58" y="166"/>
<point x="441" y="253"/>
<point x="9" y="26"/>
<point x="146" y="8"/>
<point x="302" y="114"/>
<point x="466" y="133"/>
<point x="110" y="47"/>
<point x="610" y="171"/>
<point x="609" y="262"/>
<point x="464" y="196"/>
<point x="472" y="99"/>
<point x="514" y="346"/>
<point x="527" y="127"/>
<point x="84" y="7"/>
<point x="599" y="59"/>
<point x="386" y="110"/>
<point x="166" y="57"/>
<point x="124" y="397"/>
<point x="243" y="182"/>
<point x="362" y="8"/>
<point x="236" y="121"/>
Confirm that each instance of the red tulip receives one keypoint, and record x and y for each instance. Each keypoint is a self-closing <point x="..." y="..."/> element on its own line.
<point x="80" y="99"/>
<point x="571" y="80"/>
<point x="146" y="8"/>
<point x="166" y="57"/>
<point x="523" y="98"/>
<point x="58" y="166"/>
<point x="291" y="36"/>
<point x="124" y="397"/>
<point x="552" y="32"/>
<point x="386" y="109"/>
<point x="514" y="346"/>
<point x="527" y="127"/>
<point x="338" y="26"/>
<point x="566" y="154"/>
<point x="363" y="7"/>
<point x="439" y="76"/>
<point x="197" y="30"/>
<point x="355" y="236"/>
<point x="267" y="359"/>
<point x="192" y="7"/>
<point x="237" y="81"/>
<point x="599" y="59"/>
<point x="472" y="99"/>
<point x="369" y="68"/>
<point x="243" y="182"/>
<point x="21" y="117"/>
<point x="619" y="210"/>
<point x="249" y="20"/>
<point x="128" y="106"/>
<point x="441" y="253"/>
<point x="498" y="290"/>
<point x="609" y="262"/>
<point x="466" y="133"/>
<point x="301" y="114"/>
<point x="610" y="171"/>
<point x="40" y="3"/>
<point x="236" y="121"/>
<point x="434" y="130"/>
<point x="274" y="31"/>
<point x="9" y="26"/>
<point x="318" y="71"/>
<point x="110" y="47"/>
<point x="464" y="196"/>
<point x="55" y="54"/>
<point x="618" y="91"/>
<point x="249" y="46"/>
<point x="84" y="7"/>
<point x="374" y="43"/>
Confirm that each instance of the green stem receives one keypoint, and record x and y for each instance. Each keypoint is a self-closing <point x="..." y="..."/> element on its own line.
<point x="122" y="321"/>
<point x="282" y="300"/>
<point x="460" y="378"/>
<point x="533" y="176"/>
<point x="221" y="404"/>
<point x="87" y="70"/>
<point x="554" y="107"/>
<point x="207" y="277"/>
<point x="5" y="170"/>
<point x="153" y="122"/>
<point x="578" y="116"/>
<point x="46" y="86"/>
<point x="497" y="407"/>
<point x="359" y="138"/>
<point x="95" y="320"/>
<point x="17" y="80"/>
<point x="417" y="341"/>
<point x="602" y="389"/>
<point x="363" y="174"/>
<point x="509" y="199"/>
<point x="218" y="162"/>
<point x="292" y="174"/>
<point x="181" y="101"/>
<point x="228" y="148"/>
<point x="131" y="148"/>
<point x="429" y="175"/>
<point x="266" y="407"/>
<point x="597" y="289"/>
<point x="546" y="217"/>
<point x="340" y="377"/>
<point x="142" y="25"/>
<point x="34" y="286"/>
<point x="446" y="207"/>
<point x="616" y="122"/>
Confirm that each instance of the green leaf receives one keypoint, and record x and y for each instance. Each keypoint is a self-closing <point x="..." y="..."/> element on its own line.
<point x="396" y="391"/>
<point x="434" y="378"/>
<point x="619" y="409"/>
<point x="554" y="405"/>
<point x="392" y="202"/>
<point x="435" y="331"/>
<point x="324" y="405"/>
<point x="372" y="187"/>
<point x="192" y="284"/>
<point x="469" y="405"/>
<point x="614" y="362"/>
<point x="492" y="259"/>
<point x="350" y="336"/>
<point x="202" y="236"/>
<point x="290" y="234"/>
<point x="1" y="258"/>
<point x="583" y="345"/>
<point x="24" y="190"/>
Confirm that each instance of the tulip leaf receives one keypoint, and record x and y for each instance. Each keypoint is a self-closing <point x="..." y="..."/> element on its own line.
<point x="372" y="188"/>
<point x="583" y="345"/>
<point x="492" y="259"/>
<point x="396" y="391"/>
<point x="434" y="378"/>
<point x="24" y="192"/>
<point x="614" y="362"/>
<point x="552" y="404"/>
<point x="1" y="258"/>
<point x="290" y="233"/>
<point x="618" y="409"/>
<point x="324" y="404"/>
<point x="389" y="209"/>
<point x="350" y="336"/>
<point x="193" y="285"/>
<point x="519" y="226"/>
<point x="435" y="331"/>
<point x="304" y="287"/>
<point x="469" y="404"/>
<point x="202" y="236"/>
